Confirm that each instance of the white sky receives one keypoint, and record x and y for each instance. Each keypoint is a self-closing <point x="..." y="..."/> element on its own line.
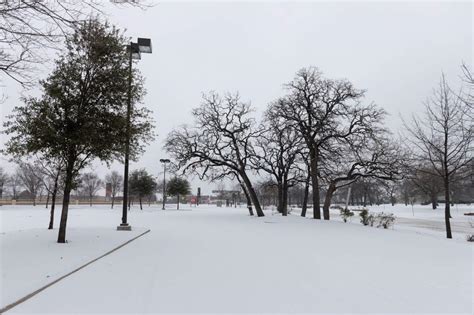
<point x="395" y="50"/>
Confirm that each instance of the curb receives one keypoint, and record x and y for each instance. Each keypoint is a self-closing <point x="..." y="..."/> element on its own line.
<point x="29" y="296"/>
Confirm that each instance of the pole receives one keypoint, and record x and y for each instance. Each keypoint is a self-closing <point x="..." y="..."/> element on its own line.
<point x="164" y="185"/>
<point x="124" y="225"/>
<point x="348" y="196"/>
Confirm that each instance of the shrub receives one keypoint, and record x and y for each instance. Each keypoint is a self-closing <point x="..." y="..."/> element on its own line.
<point x="364" y="217"/>
<point x="385" y="220"/>
<point x="371" y="219"/>
<point x="346" y="214"/>
<point x="470" y="237"/>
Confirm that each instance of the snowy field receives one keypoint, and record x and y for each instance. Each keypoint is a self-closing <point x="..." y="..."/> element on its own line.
<point x="220" y="260"/>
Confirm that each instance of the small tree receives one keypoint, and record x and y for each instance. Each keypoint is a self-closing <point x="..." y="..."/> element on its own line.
<point x="51" y="170"/>
<point x="82" y="108"/>
<point x="141" y="184"/>
<point x="116" y="181"/>
<point x="31" y="178"/>
<point x="90" y="184"/>
<point x="444" y="138"/>
<point x="3" y="180"/>
<point x="14" y="182"/>
<point x="178" y="186"/>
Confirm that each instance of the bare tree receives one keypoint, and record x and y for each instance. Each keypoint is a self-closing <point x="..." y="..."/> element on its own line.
<point x="116" y="181"/>
<point x="3" y="181"/>
<point x="443" y="138"/>
<point x="29" y="27"/>
<point x="31" y="177"/>
<point x="426" y="183"/>
<point x="14" y="181"/>
<point x="468" y="96"/>
<point x="323" y="110"/>
<point x="90" y="184"/>
<point x="220" y="142"/>
<point x="370" y="157"/>
<point x="407" y="190"/>
<point x="51" y="170"/>
<point x="279" y="146"/>
<point x="305" y="179"/>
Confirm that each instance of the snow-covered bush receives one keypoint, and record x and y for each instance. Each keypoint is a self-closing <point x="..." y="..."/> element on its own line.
<point x="371" y="219"/>
<point x="364" y="217"/>
<point x="470" y="237"/>
<point x="385" y="220"/>
<point x="367" y="218"/>
<point x="346" y="214"/>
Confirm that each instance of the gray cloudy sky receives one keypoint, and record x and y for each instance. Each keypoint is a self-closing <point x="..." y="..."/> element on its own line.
<point x="395" y="50"/>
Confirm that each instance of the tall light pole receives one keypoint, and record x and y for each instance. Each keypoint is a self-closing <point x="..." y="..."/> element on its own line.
<point x="143" y="45"/>
<point x="164" y="162"/>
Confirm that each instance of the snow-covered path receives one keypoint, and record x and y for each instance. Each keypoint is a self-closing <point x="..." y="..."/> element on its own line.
<point x="221" y="260"/>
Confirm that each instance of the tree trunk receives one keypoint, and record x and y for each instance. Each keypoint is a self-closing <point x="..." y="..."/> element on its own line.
<point x="90" y="201"/>
<point x="315" y="183"/>
<point x="47" y="199"/>
<point x="249" y="201"/>
<point x="253" y="194"/>
<point x="53" y="203"/>
<point x="284" y="199"/>
<point x="140" y="200"/>
<point x="280" y="197"/>
<point x="447" y="210"/>
<point x="434" y="201"/>
<point x="67" y="192"/>
<point x="305" y="196"/>
<point x="177" y="207"/>
<point x="113" y="201"/>
<point x="327" y="200"/>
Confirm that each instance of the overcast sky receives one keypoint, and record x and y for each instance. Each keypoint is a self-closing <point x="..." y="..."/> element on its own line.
<point x="394" y="50"/>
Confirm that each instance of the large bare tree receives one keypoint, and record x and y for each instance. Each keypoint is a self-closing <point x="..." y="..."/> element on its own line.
<point x="371" y="157"/>
<point x="29" y="27"/>
<point x="443" y="137"/>
<point x="324" y="110"/>
<point x="221" y="141"/>
<point x="278" y="148"/>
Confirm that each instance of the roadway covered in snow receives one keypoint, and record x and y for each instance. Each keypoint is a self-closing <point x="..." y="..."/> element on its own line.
<point x="211" y="259"/>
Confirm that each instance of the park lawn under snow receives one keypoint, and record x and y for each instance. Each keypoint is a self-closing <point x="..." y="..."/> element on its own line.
<point x="30" y="256"/>
<point x="221" y="260"/>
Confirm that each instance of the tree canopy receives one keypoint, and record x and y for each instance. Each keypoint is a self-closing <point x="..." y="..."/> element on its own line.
<point x="81" y="113"/>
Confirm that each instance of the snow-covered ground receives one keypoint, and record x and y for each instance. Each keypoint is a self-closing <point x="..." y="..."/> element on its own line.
<point x="425" y="220"/>
<point x="217" y="260"/>
<point x="30" y="256"/>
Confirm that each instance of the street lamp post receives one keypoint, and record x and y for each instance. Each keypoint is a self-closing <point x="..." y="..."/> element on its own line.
<point x="143" y="45"/>
<point x="164" y="161"/>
